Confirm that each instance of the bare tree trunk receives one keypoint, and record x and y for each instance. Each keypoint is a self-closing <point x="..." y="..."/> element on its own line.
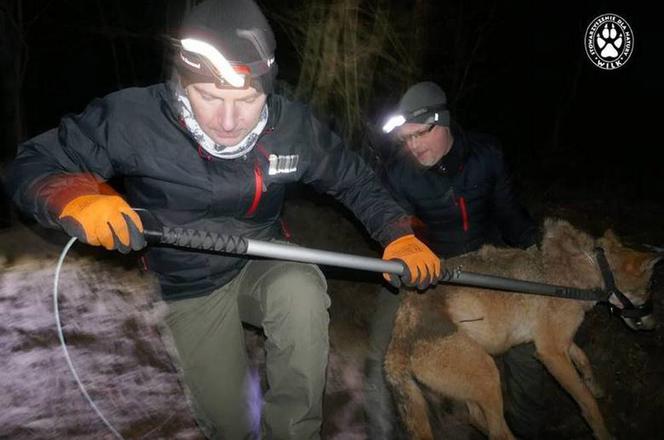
<point x="14" y="54"/>
<point x="111" y="39"/>
<point x="469" y="58"/>
<point x="419" y="40"/>
<point x="13" y="63"/>
<point x="21" y="65"/>
<point x="127" y="49"/>
<point x="347" y="46"/>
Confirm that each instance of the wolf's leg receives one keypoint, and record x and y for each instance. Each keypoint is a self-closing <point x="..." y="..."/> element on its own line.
<point x="412" y="408"/>
<point x="490" y="400"/>
<point x="457" y="367"/>
<point x="583" y="365"/>
<point x="410" y="401"/>
<point x="560" y="365"/>
<point x="477" y="418"/>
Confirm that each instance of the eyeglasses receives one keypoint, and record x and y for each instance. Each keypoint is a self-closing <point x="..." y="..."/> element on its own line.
<point x="403" y="140"/>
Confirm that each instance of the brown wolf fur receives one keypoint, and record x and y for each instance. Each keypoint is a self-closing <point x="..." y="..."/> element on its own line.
<point x="458" y="363"/>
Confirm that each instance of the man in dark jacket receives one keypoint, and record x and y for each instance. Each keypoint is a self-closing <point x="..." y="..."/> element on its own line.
<point x="457" y="187"/>
<point x="213" y="149"/>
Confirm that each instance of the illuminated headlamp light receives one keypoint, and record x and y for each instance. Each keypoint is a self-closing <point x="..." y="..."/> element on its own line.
<point x="398" y="120"/>
<point x="394" y="122"/>
<point x="218" y="61"/>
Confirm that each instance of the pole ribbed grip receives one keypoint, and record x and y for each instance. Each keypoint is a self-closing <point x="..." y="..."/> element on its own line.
<point x="209" y="241"/>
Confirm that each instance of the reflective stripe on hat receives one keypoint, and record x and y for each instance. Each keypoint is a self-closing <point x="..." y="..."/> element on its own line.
<point x="222" y="66"/>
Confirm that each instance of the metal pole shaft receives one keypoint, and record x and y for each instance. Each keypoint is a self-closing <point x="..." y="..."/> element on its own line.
<point x="194" y="239"/>
<point x="455" y="276"/>
<point x="316" y="256"/>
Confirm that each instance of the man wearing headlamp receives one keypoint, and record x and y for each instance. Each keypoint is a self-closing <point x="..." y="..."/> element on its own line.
<point x="457" y="187"/>
<point x="213" y="149"/>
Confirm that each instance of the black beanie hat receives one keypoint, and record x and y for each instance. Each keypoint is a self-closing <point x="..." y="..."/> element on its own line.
<point x="239" y="30"/>
<point x="425" y="103"/>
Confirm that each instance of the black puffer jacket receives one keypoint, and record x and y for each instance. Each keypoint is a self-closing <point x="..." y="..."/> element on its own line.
<point x="462" y="208"/>
<point x="135" y="134"/>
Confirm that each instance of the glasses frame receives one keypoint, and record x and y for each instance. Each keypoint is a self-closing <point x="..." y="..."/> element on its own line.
<point x="418" y="134"/>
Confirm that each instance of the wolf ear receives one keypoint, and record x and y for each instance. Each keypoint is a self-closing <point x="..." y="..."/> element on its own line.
<point x="561" y="238"/>
<point x="611" y="236"/>
<point x="649" y="263"/>
<point x="609" y="240"/>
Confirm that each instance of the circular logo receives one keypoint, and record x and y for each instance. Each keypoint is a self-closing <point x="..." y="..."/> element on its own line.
<point x="609" y="41"/>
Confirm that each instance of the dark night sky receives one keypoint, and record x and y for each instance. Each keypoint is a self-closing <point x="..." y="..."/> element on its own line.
<point x="531" y="71"/>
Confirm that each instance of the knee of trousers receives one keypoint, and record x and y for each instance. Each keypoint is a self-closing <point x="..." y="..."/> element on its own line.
<point x="297" y="299"/>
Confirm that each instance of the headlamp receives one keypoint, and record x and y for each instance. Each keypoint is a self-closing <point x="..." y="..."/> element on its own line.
<point x="215" y="59"/>
<point x="394" y="122"/>
<point x="400" y="119"/>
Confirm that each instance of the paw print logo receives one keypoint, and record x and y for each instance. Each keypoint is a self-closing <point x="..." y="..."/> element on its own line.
<point x="609" y="41"/>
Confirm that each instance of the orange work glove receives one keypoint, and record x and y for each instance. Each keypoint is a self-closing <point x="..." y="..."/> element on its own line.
<point x="103" y="220"/>
<point x="423" y="266"/>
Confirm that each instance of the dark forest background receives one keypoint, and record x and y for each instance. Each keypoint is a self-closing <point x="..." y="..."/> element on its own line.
<point x="517" y="70"/>
<point x="583" y="143"/>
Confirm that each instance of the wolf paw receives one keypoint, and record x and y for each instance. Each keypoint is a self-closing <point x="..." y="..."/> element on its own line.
<point x="595" y="389"/>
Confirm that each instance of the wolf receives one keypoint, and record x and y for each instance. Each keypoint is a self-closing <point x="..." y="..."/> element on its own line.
<point x="444" y="339"/>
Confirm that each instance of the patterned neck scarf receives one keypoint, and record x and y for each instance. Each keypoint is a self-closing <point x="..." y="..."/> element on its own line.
<point x="221" y="151"/>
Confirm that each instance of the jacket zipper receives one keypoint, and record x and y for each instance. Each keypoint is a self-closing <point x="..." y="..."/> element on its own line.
<point x="464" y="213"/>
<point x="258" y="191"/>
<point x="259" y="180"/>
<point x="461" y="203"/>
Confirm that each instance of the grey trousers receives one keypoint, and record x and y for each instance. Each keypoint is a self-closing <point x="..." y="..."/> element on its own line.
<point x="525" y="377"/>
<point x="289" y="301"/>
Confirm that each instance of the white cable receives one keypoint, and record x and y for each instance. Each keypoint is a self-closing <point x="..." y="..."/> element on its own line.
<point x="64" y="345"/>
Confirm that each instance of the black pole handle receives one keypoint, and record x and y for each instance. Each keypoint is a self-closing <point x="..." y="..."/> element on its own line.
<point x="203" y="240"/>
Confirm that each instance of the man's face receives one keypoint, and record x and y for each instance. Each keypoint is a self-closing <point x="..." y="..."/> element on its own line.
<point x="226" y="115"/>
<point x="427" y="143"/>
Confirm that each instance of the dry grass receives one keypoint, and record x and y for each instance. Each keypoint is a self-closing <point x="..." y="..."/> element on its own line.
<point x="347" y="50"/>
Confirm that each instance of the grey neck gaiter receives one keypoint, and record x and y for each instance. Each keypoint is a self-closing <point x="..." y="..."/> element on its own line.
<point x="221" y="151"/>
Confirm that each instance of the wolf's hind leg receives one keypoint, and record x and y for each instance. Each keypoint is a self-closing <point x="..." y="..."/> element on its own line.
<point x="457" y="367"/>
<point x="560" y="366"/>
<point x="582" y="364"/>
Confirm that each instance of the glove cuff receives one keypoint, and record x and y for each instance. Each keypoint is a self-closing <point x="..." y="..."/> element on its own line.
<point x="396" y="229"/>
<point x="55" y="192"/>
